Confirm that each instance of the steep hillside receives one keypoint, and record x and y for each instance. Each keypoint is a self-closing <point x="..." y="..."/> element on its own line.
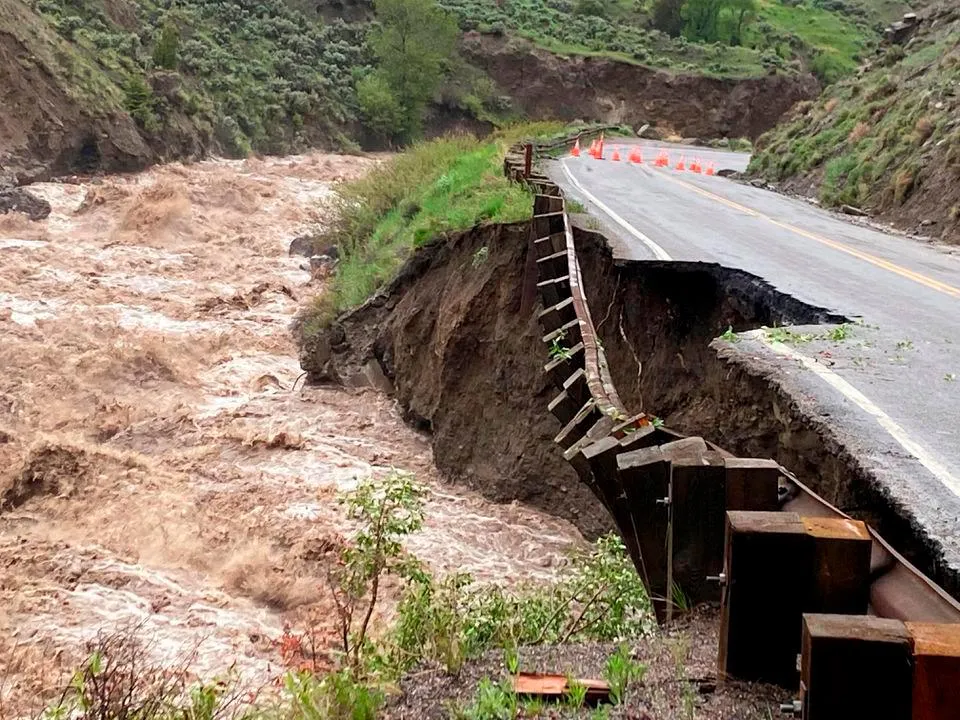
<point x="886" y="141"/>
<point x="748" y="38"/>
<point x="118" y="84"/>
<point x="546" y="85"/>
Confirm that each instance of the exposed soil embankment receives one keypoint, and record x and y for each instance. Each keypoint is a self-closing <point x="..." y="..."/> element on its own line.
<point x="467" y="363"/>
<point x="43" y="128"/>
<point x="668" y="316"/>
<point x="545" y="85"/>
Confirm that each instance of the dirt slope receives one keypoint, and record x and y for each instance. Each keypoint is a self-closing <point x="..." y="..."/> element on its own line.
<point x="887" y="141"/>
<point x="467" y="362"/>
<point x="544" y="85"/>
<point x="46" y="118"/>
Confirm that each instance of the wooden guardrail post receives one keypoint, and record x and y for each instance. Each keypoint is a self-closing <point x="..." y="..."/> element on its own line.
<point x="854" y="667"/>
<point x="778" y="566"/>
<point x="936" y="671"/>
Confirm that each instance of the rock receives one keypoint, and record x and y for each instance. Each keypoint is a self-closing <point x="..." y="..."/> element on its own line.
<point x="322" y="265"/>
<point x="927" y="222"/>
<point x="851" y="210"/>
<point x="650" y="133"/>
<point x="302" y="245"/>
<point x="166" y="84"/>
<point x="728" y="173"/>
<point x="758" y="183"/>
<point x="23" y="201"/>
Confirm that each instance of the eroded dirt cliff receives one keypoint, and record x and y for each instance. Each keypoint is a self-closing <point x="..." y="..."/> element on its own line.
<point x="463" y="350"/>
<point x="545" y="85"/>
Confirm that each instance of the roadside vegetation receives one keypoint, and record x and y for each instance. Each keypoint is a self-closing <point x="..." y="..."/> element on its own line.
<point x="453" y="183"/>
<point x="439" y="623"/>
<point x="887" y="142"/>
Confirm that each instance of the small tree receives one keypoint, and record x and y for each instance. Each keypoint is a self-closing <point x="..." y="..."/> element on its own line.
<point x="742" y="13"/>
<point x="166" y="50"/>
<point x="386" y="512"/>
<point x="702" y="19"/>
<point x="139" y="102"/>
<point x="667" y="16"/>
<point x="380" y="108"/>
<point x="414" y="41"/>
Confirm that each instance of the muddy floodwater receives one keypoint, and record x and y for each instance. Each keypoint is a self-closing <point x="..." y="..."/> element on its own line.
<point x="160" y="463"/>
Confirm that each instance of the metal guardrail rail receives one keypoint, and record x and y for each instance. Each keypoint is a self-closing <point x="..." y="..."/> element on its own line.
<point x="699" y="523"/>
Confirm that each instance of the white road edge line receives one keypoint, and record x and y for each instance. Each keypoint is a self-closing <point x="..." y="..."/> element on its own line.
<point x="658" y="252"/>
<point x="865" y="404"/>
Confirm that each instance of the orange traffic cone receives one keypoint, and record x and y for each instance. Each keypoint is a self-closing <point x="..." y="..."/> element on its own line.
<point x="575" y="152"/>
<point x="592" y="152"/>
<point x="616" y="155"/>
<point x="710" y="170"/>
<point x="695" y="166"/>
<point x="680" y="164"/>
<point x="600" y="148"/>
<point x="636" y="155"/>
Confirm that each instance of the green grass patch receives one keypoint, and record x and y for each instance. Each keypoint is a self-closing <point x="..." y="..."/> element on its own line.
<point x="434" y="187"/>
<point x="834" y="43"/>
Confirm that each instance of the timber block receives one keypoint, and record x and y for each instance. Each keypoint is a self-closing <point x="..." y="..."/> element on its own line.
<point x="554" y="290"/>
<point x="936" y="671"/>
<point x="548" y="224"/>
<point x="698" y="514"/>
<point x="777" y="567"/>
<point x="560" y="368"/>
<point x="752" y="484"/>
<point x="644" y="476"/>
<point x="703" y="487"/>
<point x="557" y="315"/>
<point x="563" y="407"/>
<point x="577" y="428"/>
<point x="553" y="266"/>
<point x="544" y="204"/>
<point x="549" y="245"/>
<point x="568" y="334"/>
<point x="855" y="666"/>
<point x="576" y="387"/>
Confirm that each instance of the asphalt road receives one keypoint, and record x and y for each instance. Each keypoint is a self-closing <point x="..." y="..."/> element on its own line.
<point x="892" y="387"/>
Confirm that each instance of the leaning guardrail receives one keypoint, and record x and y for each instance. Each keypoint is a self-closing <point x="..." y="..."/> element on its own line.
<point x="794" y="574"/>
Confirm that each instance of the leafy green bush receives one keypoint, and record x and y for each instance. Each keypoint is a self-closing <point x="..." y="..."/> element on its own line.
<point x="165" y="52"/>
<point x="140" y="102"/>
<point x="380" y="108"/>
<point x="600" y="598"/>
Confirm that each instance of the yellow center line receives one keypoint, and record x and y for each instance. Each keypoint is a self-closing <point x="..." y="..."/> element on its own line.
<point x="924" y="280"/>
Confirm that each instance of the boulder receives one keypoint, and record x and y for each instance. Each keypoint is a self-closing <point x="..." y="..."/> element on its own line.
<point x="23" y="201"/>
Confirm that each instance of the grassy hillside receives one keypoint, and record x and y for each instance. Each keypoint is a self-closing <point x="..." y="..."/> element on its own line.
<point x="184" y="77"/>
<point x="828" y="37"/>
<point x="255" y="74"/>
<point x="887" y="141"/>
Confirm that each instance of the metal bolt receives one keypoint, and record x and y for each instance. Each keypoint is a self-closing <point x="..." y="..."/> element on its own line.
<point x="720" y="579"/>
<point x="663" y="501"/>
<point x="794" y="707"/>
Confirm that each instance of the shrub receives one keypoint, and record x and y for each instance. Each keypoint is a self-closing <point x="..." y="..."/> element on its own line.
<point x="166" y="51"/>
<point x="380" y="109"/>
<point x="140" y="102"/>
